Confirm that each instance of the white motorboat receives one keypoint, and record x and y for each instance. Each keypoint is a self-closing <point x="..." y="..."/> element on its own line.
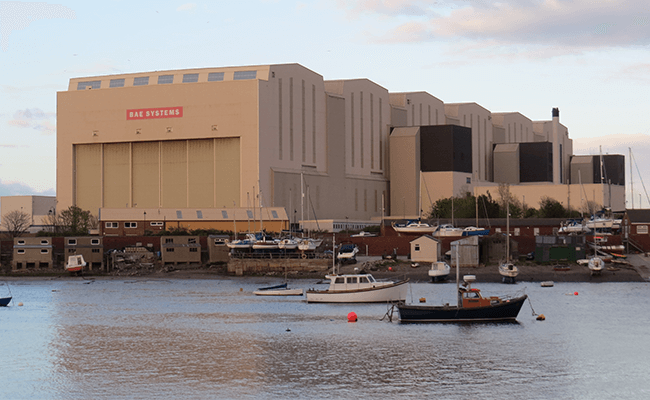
<point x="439" y="271"/>
<point x="358" y="288"/>
<point x="474" y="231"/>
<point x="288" y="244"/>
<point x="363" y="234"/>
<point x="416" y="226"/>
<point x="309" y="244"/>
<point x="347" y="253"/>
<point x="448" y="230"/>
<point x="596" y="265"/>
<point x="508" y="271"/>
<point x="75" y="263"/>
<point x="573" y="226"/>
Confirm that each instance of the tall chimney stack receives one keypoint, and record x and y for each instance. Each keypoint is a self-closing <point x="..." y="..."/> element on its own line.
<point x="555" y="137"/>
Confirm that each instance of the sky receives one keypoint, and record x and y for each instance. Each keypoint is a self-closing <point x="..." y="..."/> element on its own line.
<point x="591" y="59"/>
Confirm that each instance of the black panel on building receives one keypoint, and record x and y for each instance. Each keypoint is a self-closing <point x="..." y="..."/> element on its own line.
<point x="536" y="162"/>
<point x="446" y="148"/>
<point x="613" y="169"/>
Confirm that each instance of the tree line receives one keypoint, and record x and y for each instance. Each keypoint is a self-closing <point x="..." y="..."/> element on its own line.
<point x="466" y="207"/>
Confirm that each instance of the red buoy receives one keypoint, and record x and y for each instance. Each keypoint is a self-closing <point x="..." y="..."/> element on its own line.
<point x="352" y="317"/>
<point x="390" y="268"/>
<point x="575" y="293"/>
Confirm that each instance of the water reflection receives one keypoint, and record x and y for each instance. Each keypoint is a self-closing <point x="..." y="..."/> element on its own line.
<point x="208" y="339"/>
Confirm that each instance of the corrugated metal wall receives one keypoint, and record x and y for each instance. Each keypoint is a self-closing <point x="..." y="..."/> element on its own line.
<point x="177" y="173"/>
<point x="200" y="173"/>
<point x="88" y="167"/>
<point x="117" y="173"/>
<point x="146" y="174"/>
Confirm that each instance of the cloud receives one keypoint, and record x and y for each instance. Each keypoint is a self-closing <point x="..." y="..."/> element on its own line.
<point x="34" y="118"/>
<point x="18" y="15"/>
<point x="20" y="189"/>
<point x="187" y="7"/>
<point x="582" y="24"/>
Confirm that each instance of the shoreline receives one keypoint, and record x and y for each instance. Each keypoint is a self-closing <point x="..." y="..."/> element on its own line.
<point x="380" y="269"/>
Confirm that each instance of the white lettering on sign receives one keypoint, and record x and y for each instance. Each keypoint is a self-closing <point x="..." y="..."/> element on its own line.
<point x="151" y="113"/>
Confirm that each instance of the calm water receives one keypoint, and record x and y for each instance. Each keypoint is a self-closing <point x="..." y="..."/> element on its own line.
<point x="207" y="339"/>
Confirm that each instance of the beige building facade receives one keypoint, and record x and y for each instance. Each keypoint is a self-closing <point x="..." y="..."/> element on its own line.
<point x="267" y="135"/>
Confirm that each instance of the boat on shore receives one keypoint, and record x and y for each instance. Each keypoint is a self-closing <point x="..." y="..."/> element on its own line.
<point x="439" y="271"/>
<point x="347" y="253"/>
<point x="75" y="264"/>
<point x="471" y="307"/>
<point x="414" y="226"/>
<point x="508" y="272"/>
<point x="358" y="288"/>
<point x="596" y="265"/>
<point x="474" y="231"/>
<point x="445" y="230"/>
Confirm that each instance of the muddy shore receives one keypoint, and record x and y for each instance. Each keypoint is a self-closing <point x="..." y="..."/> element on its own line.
<point x="381" y="269"/>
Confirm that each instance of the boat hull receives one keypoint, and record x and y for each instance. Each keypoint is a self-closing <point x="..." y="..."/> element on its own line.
<point x="480" y="232"/>
<point x="506" y="311"/>
<point x="4" y="301"/>
<point x="394" y="292"/>
<point x="279" y="292"/>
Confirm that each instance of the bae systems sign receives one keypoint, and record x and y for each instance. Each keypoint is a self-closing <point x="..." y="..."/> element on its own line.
<point x="153" y="113"/>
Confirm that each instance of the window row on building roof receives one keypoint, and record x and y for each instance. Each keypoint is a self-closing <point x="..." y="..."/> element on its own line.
<point x="166" y="79"/>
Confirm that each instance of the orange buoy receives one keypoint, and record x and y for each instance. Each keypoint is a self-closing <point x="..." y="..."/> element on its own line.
<point x="423" y="300"/>
<point x="541" y="317"/>
<point x="352" y="317"/>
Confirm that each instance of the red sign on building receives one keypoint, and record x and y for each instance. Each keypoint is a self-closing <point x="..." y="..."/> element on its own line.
<point x="153" y="113"/>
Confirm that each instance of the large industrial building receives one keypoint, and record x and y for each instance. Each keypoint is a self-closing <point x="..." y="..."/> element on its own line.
<point x="282" y="136"/>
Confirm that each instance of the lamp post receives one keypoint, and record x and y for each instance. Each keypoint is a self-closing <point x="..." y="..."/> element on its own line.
<point x="144" y="223"/>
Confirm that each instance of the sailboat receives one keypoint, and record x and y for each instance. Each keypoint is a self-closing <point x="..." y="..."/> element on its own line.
<point x="471" y="305"/>
<point x="507" y="269"/>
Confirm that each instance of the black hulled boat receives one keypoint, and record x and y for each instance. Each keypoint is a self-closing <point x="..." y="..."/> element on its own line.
<point x="472" y="307"/>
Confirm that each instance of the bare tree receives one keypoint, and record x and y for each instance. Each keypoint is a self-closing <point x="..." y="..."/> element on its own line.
<point x="16" y="222"/>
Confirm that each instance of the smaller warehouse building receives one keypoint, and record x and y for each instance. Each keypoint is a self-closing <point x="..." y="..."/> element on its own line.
<point x="91" y="248"/>
<point x="180" y="249"/>
<point x="32" y="252"/>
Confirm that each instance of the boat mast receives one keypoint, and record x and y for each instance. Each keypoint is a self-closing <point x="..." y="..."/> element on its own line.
<point x="459" y="300"/>
<point x="631" y="180"/>
<point x="333" y="253"/>
<point x="508" y="228"/>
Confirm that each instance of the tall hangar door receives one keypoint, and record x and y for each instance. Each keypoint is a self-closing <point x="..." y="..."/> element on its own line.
<point x="167" y="174"/>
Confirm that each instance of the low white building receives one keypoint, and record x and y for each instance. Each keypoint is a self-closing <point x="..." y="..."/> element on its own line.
<point x="36" y="207"/>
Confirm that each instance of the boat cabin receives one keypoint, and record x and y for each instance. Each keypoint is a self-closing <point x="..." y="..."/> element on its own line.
<point x="469" y="297"/>
<point x="351" y="282"/>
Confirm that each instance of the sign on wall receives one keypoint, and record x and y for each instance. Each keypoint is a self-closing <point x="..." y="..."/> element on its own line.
<point x="153" y="113"/>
